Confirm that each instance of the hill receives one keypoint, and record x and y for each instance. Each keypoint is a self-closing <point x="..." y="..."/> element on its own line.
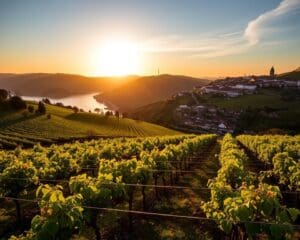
<point x="146" y="90"/>
<point x="267" y="109"/>
<point x="58" y="85"/>
<point x="64" y="124"/>
<point x="293" y="75"/>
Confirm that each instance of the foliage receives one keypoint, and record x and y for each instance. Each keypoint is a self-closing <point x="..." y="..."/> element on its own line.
<point x="41" y="108"/>
<point x="10" y="185"/>
<point x="3" y="95"/>
<point x="61" y="216"/>
<point x="65" y="125"/>
<point x="281" y="152"/>
<point x="17" y="103"/>
<point x="238" y="203"/>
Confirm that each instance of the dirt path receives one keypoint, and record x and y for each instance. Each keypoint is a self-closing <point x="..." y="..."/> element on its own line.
<point x="184" y="202"/>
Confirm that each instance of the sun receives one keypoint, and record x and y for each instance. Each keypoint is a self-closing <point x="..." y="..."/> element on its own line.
<point x="117" y="58"/>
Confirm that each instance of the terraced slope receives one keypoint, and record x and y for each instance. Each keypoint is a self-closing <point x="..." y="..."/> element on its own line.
<point x="64" y="124"/>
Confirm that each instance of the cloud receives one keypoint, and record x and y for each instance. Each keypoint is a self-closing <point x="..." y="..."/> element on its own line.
<point x="255" y="28"/>
<point x="219" y="44"/>
<point x="198" y="46"/>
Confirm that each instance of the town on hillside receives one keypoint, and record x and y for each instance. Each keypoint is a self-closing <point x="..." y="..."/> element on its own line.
<point x="204" y="117"/>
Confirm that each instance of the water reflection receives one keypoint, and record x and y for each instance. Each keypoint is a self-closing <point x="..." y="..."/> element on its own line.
<point x="87" y="102"/>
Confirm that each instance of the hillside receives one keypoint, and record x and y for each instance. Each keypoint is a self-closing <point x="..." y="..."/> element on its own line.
<point x="64" y="124"/>
<point x="268" y="108"/>
<point x="58" y="85"/>
<point x="293" y="75"/>
<point x="146" y="90"/>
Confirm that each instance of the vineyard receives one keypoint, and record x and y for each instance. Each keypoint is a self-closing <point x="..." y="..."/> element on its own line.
<point x="153" y="188"/>
<point x="63" y="124"/>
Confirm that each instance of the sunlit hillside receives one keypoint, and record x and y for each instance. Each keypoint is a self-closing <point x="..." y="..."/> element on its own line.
<point x="58" y="85"/>
<point x="64" y="123"/>
<point x="146" y="90"/>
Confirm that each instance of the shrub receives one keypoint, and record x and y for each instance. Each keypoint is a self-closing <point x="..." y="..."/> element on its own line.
<point x="25" y="113"/>
<point x="30" y="109"/>
<point x="17" y="103"/>
<point x="59" y="104"/>
<point x="75" y="109"/>
<point x="46" y="100"/>
<point x="48" y="116"/>
<point x="41" y="108"/>
<point x="3" y="95"/>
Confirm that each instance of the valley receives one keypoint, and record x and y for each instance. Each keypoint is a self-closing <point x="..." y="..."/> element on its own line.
<point x="233" y="105"/>
<point x="149" y="120"/>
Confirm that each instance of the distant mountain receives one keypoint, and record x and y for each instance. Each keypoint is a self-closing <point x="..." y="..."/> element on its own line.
<point x="58" y="85"/>
<point x="146" y="90"/>
<point x="293" y="75"/>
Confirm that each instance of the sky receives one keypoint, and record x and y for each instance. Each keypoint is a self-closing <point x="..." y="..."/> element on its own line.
<point x="202" y="38"/>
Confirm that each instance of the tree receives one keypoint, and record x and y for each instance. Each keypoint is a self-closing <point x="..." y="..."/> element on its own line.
<point x="17" y="103"/>
<point x="75" y="109"/>
<point x="108" y="113"/>
<point x="272" y="72"/>
<point x="3" y="95"/>
<point x="46" y="100"/>
<point x="30" y="109"/>
<point x="117" y="114"/>
<point x="59" y="104"/>
<point x="41" y="108"/>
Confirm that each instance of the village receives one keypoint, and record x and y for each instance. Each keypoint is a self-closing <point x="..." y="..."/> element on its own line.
<point x="208" y="118"/>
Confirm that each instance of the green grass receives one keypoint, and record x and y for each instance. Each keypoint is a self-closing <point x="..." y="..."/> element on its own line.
<point x="264" y="98"/>
<point x="162" y="112"/>
<point x="267" y="109"/>
<point x="294" y="75"/>
<point x="258" y="109"/>
<point x="64" y="123"/>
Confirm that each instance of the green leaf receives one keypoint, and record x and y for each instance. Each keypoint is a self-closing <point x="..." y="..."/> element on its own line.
<point x="252" y="228"/>
<point x="226" y="226"/>
<point x="267" y="207"/>
<point x="276" y="231"/>
<point x="283" y="216"/>
<point x="294" y="213"/>
<point x="53" y="197"/>
<point x="51" y="227"/>
<point x="243" y="213"/>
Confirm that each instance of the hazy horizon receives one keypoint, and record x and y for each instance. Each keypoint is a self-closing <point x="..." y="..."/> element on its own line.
<point x="146" y="75"/>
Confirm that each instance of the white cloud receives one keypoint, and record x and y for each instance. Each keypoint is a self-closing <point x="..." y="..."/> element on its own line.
<point x="218" y="44"/>
<point x="256" y="27"/>
<point x="198" y="46"/>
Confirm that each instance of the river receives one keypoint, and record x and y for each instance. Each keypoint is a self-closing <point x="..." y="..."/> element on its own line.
<point x="87" y="102"/>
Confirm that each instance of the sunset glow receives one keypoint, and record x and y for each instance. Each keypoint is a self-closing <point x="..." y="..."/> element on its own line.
<point x="117" y="38"/>
<point x="116" y="58"/>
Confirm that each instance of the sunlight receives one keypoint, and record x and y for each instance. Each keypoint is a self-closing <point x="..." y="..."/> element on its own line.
<point x="117" y="58"/>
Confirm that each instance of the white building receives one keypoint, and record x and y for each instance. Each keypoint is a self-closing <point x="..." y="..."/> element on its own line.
<point x="183" y="107"/>
<point x="245" y="87"/>
<point x="223" y="92"/>
<point x="199" y="107"/>
<point x="222" y="126"/>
